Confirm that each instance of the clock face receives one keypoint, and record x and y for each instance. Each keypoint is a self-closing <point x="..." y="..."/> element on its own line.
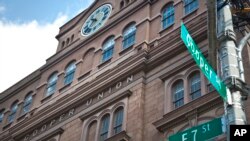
<point x="96" y="19"/>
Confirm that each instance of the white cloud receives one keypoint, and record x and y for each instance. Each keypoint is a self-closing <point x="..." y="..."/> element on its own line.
<point x="25" y="47"/>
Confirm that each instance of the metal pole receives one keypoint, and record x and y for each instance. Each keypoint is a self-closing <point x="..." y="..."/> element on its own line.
<point x="229" y="66"/>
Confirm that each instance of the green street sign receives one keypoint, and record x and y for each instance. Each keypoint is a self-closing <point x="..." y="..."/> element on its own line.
<point x="201" y="132"/>
<point x="203" y="64"/>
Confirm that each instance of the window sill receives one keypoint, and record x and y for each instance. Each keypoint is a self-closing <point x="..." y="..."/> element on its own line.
<point x="189" y="14"/>
<point x="7" y="125"/>
<point x="83" y="75"/>
<point x="46" y="98"/>
<point x="122" y="136"/>
<point x="126" y="49"/>
<point x="104" y="63"/>
<point x="167" y="28"/>
<point x="21" y="117"/>
<point x="64" y="87"/>
<point x="174" y="117"/>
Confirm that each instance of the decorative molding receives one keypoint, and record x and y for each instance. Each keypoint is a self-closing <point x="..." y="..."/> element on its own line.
<point x="128" y="49"/>
<point x="41" y="85"/>
<point x="46" y="98"/>
<point x="112" y="101"/>
<point x="179" y="115"/>
<point x="64" y="87"/>
<point x="122" y="136"/>
<point x="104" y="63"/>
<point x="81" y="77"/>
<point x="52" y="134"/>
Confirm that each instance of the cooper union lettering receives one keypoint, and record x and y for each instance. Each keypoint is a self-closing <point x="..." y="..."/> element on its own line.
<point x="121" y="72"/>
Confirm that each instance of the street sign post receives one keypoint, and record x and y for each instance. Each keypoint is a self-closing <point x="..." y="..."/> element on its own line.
<point x="201" y="132"/>
<point x="203" y="64"/>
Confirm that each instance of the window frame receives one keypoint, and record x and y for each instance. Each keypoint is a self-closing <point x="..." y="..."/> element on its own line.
<point x="193" y="88"/>
<point x="187" y="3"/>
<point x="27" y="103"/>
<point x="1" y="115"/>
<point x="168" y="13"/>
<point x="52" y="81"/>
<point x="118" y="120"/>
<point x="13" y="112"/>
<point x="129" y="35"/>
<point x="108" y="48"/>
<point x="104" y="127"/>
<point x="69" y="73"/>
<point x="177" y="99"/>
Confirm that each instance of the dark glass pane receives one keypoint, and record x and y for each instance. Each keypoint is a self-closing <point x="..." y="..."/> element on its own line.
<point x="1" y="117"/>
<point x="104" y="128"/>
<point x="168" y="16"/>
<point x="195" y="88"/>
<point x="178" y="94"/>
<point x="118" y="121"/>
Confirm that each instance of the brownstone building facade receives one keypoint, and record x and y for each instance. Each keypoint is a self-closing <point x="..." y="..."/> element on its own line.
<point x="120" y="73"/>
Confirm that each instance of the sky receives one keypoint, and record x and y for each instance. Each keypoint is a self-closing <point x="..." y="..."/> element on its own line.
<point x="27" y="34"/>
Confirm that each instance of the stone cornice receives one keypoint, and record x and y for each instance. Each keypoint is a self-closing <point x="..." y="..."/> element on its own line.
<point x="51" y="134"/>
<point x="28" y="80"/>
<point x="82" y="93"/>
<point x="178" y="116"/>
<point x="122" y="136"/>
<point x="122" y="95"/>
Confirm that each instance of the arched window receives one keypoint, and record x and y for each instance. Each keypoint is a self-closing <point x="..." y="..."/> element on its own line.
<point x="92" y="131"/>
<point x="121" y="4"/>
<point x="69" y="73"/>
<point x="67" y="42"/>
<point x="118" y="120"/>
<point x="27" y="103"/>
<point x="72" y="38"/>
<point x="129" y="36"/>
<point x="104" y="127"/>
<point x="51" y="84"/>
<point x="1" y="115"/>
<point x="178" y="94"/>
<point x="63" y="43"/>
<point x="13" y="111"/>
<point x="195" y="85"/>
<point x="190" y="6"/>
<point x="168" y="16"/>
<point x="108" y="48"/>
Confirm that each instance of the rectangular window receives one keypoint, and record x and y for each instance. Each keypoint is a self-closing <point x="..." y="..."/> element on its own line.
<point x="118" y="121"/>
<point x="107" y="54"/>
<point x="26" y="108"/>
<point x="11" y="117"/>
<point x="1" y="117"/>
<point x="51" y="89"/>
<point x="69" y="78"/>
<point x="195" y="90"/>
<point x="190" y="6"/>
<point x="104" y="128"/>
<point x="168" y="16"/>
<point x="129" y="40"/>
<point x="179" y="98"/>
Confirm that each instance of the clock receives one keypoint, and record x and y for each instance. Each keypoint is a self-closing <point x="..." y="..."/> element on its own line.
<point x="96" y="20"/>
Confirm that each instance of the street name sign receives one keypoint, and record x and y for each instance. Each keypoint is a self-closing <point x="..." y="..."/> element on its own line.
<point x="205" y="67"/>
<point x="201" y="132"/>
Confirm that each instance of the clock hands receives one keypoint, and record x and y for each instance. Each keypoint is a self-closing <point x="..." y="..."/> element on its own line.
<point x="94" y="20"/>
